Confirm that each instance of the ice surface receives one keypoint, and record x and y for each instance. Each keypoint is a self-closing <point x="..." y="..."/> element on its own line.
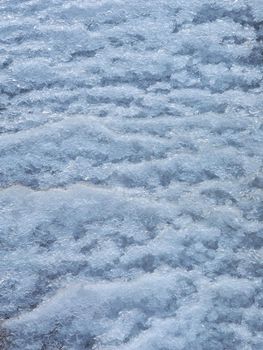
<point x="131" y="174"/>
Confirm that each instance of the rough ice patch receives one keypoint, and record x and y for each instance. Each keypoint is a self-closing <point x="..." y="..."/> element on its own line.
<point x="131" y="175"/>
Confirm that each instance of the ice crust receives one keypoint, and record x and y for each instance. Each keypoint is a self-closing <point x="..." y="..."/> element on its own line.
<point x="131" y="147"/>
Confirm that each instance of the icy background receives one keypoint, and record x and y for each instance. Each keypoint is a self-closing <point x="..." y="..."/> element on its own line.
<point x="131" y="175"/>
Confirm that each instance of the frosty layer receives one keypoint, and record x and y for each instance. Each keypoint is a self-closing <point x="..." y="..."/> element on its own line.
<point x="131" y="175"/>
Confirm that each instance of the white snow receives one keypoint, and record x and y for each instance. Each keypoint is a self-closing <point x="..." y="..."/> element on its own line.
<point x="131" y="175"/>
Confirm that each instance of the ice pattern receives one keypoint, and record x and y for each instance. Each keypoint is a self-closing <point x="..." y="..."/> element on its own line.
<point x="131" y="175"/>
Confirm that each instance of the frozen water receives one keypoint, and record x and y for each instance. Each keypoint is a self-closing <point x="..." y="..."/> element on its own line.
<point x="131" y="174"/>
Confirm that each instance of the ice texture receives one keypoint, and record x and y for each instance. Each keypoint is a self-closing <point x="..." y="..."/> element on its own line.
<point x="131" y="175"/>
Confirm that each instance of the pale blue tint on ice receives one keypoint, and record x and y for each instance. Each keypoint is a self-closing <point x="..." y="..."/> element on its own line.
<point x="131" y="174"/>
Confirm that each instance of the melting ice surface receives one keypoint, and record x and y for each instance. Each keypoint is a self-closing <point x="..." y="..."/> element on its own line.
<point x="131" y="176"/>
